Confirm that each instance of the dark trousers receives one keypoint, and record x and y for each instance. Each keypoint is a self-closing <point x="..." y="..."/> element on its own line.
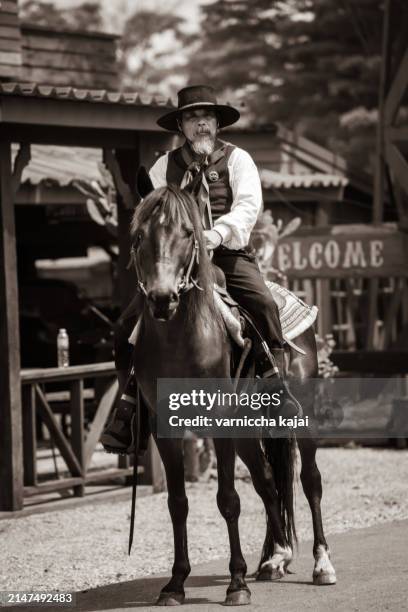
<point x="245" y="285"/>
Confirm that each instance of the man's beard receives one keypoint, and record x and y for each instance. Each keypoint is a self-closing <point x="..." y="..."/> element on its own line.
<point x="203" y="144"/>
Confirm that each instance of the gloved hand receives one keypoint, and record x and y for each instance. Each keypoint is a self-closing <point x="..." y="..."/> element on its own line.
<point x="213" y="239"/>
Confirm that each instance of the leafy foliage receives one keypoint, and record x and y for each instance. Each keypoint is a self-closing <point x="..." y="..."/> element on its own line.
<point x="150" y="64"/>
<point x="312" y="64"/>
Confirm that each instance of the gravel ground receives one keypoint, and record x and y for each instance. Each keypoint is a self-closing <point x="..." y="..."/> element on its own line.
<point x="83" y="547"/>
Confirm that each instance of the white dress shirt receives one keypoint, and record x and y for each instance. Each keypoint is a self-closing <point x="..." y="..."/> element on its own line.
<point x="235" y="226"/>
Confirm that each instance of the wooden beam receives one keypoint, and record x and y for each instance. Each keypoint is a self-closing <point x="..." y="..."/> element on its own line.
<point x="398" y="166"/>
<point x="29" y="436"/>
<point x="396" y="134"/>
<point x="62" y="77"/>
<point x="129" y="162"/>
<point x="9" y="19"/>
<point x="68" y="483"/>
<point x="379" y="176"/>
<point x="57" y="435"/>
<point x="34" y="41"/>
<point x="78" y="428"/>
<point x="42" y="375"/>
<point x="68" y="136"/>
<point x="372" y="315"/>
<point x="397" y="90"/>
<point x="7" y="44"/>
<point x="74" y="113"/>
<point x="98" y="423"/>
<point x="11" y="450"/>
<point x="10" y="32"/>
<point x="392" y="312"/>
<point x="129" y="198"/>
<point x="9" y="6"/>
<point x="21" y="161"/>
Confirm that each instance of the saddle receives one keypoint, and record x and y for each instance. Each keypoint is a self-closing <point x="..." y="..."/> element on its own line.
<point x="294" y="314"/>
<point x="248" y="343"/>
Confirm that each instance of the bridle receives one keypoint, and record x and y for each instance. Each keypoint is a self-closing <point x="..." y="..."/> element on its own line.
<point x="186" y="283"/>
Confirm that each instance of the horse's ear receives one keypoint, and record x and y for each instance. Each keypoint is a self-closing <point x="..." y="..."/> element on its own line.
<point x="144" y="184"/>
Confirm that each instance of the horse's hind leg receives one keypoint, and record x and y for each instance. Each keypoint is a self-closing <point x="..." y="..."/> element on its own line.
<point x="229" y="505"/>
<point x="303" y="369"/>
<point x="172" y="456"/>
<point x="323" y="572"/>
<point x="276" y="554"/>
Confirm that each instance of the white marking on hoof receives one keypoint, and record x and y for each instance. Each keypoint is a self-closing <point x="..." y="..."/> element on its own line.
<point x="276" y="567"/>
<point x="323" y="572"/>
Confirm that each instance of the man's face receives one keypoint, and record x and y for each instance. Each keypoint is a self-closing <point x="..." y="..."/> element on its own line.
<point x="199" y="126"/>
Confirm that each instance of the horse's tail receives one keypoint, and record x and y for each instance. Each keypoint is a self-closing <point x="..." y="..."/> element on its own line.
<point x="281" y="455"/>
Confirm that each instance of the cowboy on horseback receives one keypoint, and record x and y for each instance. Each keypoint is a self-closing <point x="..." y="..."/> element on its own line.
<point x="227" y="188"/>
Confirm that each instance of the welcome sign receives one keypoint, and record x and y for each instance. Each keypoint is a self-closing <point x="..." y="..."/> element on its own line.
<point x="367" y="254"/>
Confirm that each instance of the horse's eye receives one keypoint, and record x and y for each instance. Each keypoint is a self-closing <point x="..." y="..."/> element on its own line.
<point x="138" y="238"/>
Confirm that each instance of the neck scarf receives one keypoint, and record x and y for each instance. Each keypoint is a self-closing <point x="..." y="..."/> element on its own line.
<point x="196" y="179"/>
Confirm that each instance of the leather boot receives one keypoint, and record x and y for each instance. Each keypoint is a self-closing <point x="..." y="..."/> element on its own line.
<point x="272" y="371"/>
<point x="117" y="436"/>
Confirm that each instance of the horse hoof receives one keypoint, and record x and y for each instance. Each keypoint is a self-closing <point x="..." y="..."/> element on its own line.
<point x="170" y="599"/>
<point x="238" y="598"/>
<point x="324" y="578"/>
<point x="268" y="573"/>
<point x="323" y="572"/>
<point x="264" y="575"/>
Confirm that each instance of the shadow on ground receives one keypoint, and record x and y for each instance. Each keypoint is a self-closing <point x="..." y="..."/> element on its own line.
<point x="371" y="566"/>
<point x="143" y="593"/>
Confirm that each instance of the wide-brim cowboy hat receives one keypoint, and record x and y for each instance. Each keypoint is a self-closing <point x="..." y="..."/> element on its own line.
<point x="198" y="96"/>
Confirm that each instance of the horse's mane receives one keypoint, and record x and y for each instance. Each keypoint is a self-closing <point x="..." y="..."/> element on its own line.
<point x="179" y="208"/>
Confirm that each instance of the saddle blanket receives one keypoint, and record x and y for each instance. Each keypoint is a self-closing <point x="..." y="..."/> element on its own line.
<point x="295" y="315"/>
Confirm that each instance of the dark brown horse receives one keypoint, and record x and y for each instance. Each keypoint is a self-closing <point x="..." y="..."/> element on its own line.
<point x="181" y="335"/>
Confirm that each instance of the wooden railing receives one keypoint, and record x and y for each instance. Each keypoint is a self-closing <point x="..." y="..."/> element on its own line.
<point x="78" y="447"/>
<point x="346" y="310"/>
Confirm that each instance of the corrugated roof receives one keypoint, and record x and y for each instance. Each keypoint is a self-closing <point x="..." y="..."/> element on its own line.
<point x="280" y="180"/>
<point x="60" y="165"/>
<point x="82" y="95"/>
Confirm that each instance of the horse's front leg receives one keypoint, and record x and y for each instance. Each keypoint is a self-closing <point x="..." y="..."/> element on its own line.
<point x="323" y="572"/>
<point x="171" y="452"/>
<point x="229" y="505"/>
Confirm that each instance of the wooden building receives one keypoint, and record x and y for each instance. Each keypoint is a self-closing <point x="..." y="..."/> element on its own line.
<point x="37" y="54"/>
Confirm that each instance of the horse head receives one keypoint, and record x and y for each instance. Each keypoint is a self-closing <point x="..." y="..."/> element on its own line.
<point x="168" y="249"/>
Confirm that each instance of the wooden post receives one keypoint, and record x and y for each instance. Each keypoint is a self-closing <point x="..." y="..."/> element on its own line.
<point x="11" y="450"/>
<point x="124" y="167"/>
<point x="29" y="436"/>
<point x="323" y="295"/>
<point x="77" y="428"/>
<point x="378" y="207"/>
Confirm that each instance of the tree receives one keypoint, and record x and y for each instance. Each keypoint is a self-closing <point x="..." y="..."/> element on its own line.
<point x="152" y="52"/>
<point x="311" y="64"/>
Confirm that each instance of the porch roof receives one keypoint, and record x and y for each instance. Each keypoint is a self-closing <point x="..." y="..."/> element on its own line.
<point x="67" y="115"/>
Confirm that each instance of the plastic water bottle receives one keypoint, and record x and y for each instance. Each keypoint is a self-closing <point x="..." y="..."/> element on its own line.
<point x="63" y="348"/>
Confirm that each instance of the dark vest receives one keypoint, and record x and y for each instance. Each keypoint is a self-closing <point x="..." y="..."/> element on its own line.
<point x="219" y="190"/>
